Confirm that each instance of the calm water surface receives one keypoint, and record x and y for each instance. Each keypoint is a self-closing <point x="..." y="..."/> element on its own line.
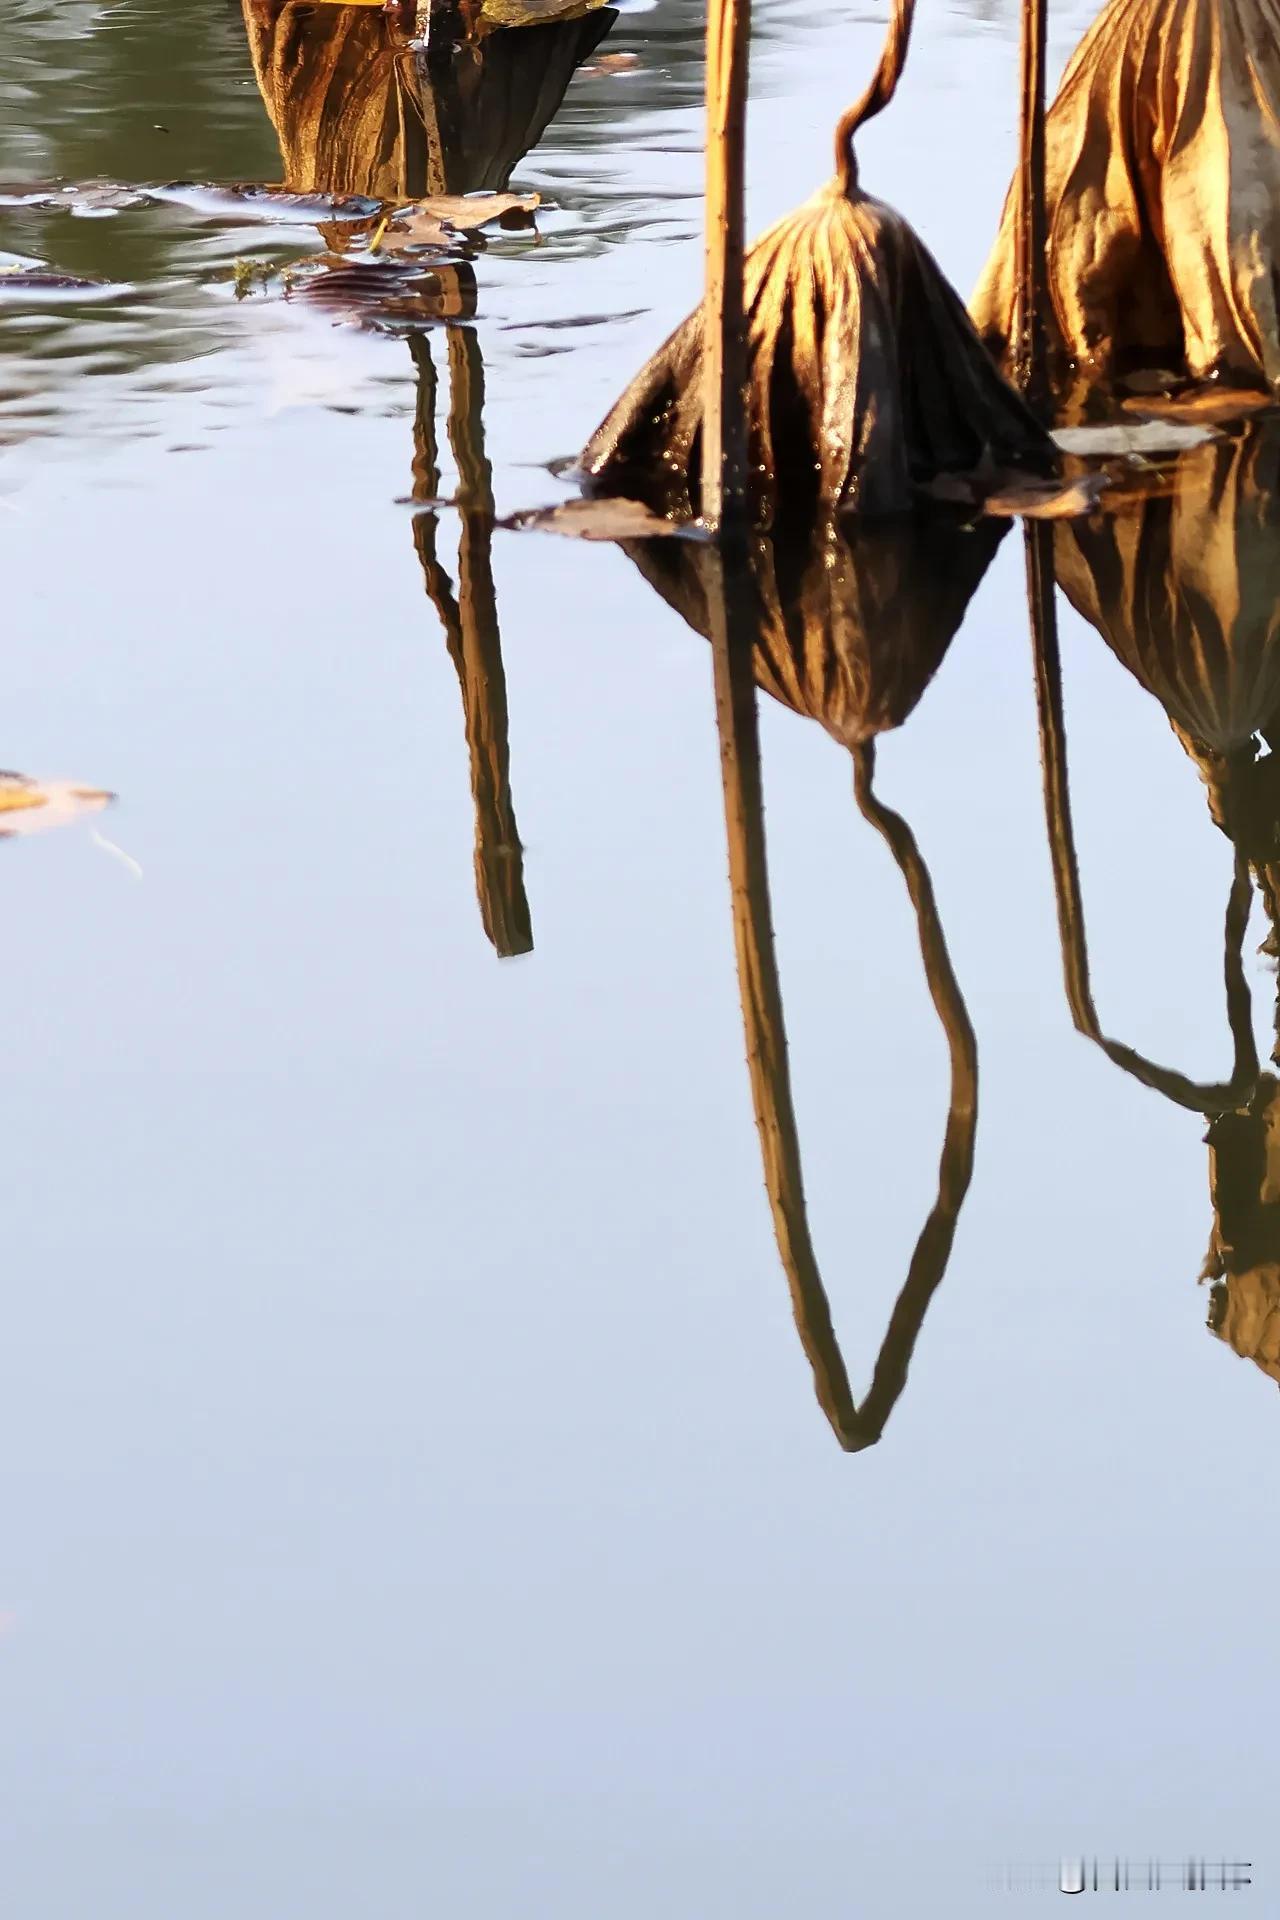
<point x="415" y="1500"/>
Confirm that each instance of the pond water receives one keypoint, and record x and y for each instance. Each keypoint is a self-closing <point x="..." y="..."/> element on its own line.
<point x="415" y="1499"/>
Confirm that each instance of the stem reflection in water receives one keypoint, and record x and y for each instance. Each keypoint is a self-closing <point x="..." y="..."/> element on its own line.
<point x="470" y="622"/>
<point x="357" y="109"/>
<point x="1183" y="583"/>
<point x="849" y="630"/>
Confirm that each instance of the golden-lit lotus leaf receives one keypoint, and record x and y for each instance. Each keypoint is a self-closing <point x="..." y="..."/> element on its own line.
<point x="866" y="379"/>
<point x="1162" y="173"/>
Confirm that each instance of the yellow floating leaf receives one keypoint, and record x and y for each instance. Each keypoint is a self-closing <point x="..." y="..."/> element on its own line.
<point x="32" y="806"/>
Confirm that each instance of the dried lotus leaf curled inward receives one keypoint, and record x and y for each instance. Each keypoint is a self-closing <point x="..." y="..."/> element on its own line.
<point x="1162" y="180"/>
<point x="865" y="377"/>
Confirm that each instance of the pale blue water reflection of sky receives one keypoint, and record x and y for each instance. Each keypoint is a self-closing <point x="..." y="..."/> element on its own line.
<point x="414" y="1498"/>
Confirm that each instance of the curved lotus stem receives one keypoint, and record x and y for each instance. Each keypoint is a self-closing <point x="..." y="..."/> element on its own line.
<point x="880" y="91"/>
<point x="765" y="1032"/>
<point x="1198" y="1097"/>
<point x="470" y="623"/>
<point x="933" y="1248"/>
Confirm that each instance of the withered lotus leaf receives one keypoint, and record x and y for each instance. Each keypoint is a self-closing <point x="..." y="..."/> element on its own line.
<point x="355" y="111"/>
<point x="1183" y="583"/>
<point x="1162" y="177"/>
<point x="866" y="377"/>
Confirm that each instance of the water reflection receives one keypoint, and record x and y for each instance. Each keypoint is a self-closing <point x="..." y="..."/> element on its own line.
<point x="358" y="109"/>
<point x="848" y="630"/>
<point x="470" y="622"/>
<point x="1183" y="583"/>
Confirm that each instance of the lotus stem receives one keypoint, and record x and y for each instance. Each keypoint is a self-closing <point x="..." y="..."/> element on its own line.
<point x="1197" y="1097"/>
<point x="1030" y="359"/>
<point x="724" y="361"/>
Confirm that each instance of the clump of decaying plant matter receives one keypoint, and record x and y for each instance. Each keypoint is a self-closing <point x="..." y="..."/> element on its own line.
<point x="866" y="378"/>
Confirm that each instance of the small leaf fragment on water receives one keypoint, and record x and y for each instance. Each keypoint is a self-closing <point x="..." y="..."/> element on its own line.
<point x="604" y="519"/>
<point x="18" y="277"/>
<point x="609" y="63"/>
<point x="32" y="806"/>
<point x="444" y="218"/>
<point x="1145" y="437"/>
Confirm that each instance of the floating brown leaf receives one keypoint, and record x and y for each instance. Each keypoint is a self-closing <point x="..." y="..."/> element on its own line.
<point x="603" y="519"/>
<point x="442" y="219"/>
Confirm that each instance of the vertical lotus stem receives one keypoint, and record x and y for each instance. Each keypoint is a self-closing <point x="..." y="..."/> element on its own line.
<point x="738" y="725"/>
<point x="1198" y="1097"/>
<point x="1030" y="356"/>
<point x="724" y="421"/>
<point x="471" y="631"/>
<point x="1038" y="536"/>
